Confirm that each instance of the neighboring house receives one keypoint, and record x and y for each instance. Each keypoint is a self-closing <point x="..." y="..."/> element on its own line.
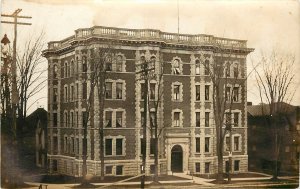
<point x="35" y="139"/>
<point x="188" y="142"/>
<point x="261" y="138"/>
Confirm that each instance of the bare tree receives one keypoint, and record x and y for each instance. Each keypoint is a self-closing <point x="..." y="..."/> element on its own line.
<point x="223" y="75"/>
<point x="100" y="61"/>
<point x="31" y="75"/>
<point x="275" y="84"/>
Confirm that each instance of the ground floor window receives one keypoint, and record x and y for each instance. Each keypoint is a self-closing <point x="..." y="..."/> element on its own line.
<point x="207" y="167"/>
<point x="108" y="170"/>
<point x="119" y="170"/>
<point x="197" y="167"/>
<point x="152" y="169"/>
<point x="236" y="165"/>
<point x="54" y="165"/>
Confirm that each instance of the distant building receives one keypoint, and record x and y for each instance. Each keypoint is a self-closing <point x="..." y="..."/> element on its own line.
<point x="34" y="150"/>
<point x="261" y="138"/>
<point x="187" y="143"/>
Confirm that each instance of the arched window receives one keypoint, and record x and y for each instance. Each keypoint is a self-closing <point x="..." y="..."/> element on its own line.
<point x="227" y="69"/>
<point x="206" y="67"/>
<point x="77" y="64"/>
<point x="235" y="71"/>
<point x="55" y="69"/>
<point x="152" y="62"/>
<point x="72" y="68"/>
<point x="66" y="69"/>
<point x="108" y="62"/>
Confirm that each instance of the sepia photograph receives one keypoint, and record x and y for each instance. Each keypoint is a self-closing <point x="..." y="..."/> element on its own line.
<point x="150" y="94"/>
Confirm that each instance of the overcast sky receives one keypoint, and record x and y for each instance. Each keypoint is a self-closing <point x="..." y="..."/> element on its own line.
<point x="265" y="24"/>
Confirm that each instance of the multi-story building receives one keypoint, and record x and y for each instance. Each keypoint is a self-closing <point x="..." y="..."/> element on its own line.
<point x="262" y="141"/>
<point x="187" y="141"/>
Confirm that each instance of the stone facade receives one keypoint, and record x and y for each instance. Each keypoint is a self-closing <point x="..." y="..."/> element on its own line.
<point x="186" y="120"/>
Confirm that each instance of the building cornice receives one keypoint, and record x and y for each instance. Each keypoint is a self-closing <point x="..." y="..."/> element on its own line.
<point x="141" y="37"/>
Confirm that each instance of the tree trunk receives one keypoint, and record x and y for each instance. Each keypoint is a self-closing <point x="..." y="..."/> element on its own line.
<point x="101" y="132"/>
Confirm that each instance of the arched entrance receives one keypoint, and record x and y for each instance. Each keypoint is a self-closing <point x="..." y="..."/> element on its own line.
<point x="176" y="159"/>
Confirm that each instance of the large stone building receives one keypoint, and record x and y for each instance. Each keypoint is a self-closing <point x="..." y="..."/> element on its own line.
<point x="187" y="142"/>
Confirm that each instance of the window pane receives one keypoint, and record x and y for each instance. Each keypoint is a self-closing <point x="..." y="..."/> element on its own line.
<point x="197" y="145"/>
<point x="119" y="117"/>
<point x="206" y="119"/>
<point x="206" y="65"/>
<point x="236" y="119"/>
<point x="119" y="146"/>
<point x="207" y="166"/>
<point x="108" y="146"/>
<point x="236" y="143"/>
<point x="108" y="119"/>
<point x="206" y="92"/>
<point x="119" y="170"/>
<point x="176" y="92"/>
<point x="236" y="71"/>
<point x="142" y="146"/>
<point x="152" y="91"/>
<point x="235" y="94"/>
<point x="152" y="119"/>
<point x="54" y="119"/>
<point x="152" y="145"/>
<point x="108" y="90"/>
<point x="119" y="63"/>
<point x="197" y="119"/>
<point x="206" y="144"/>
<point x="227" y="143"/>
<point x="176" y="67"/>
<point x="108" y="170"/>
<point x="197" y="167"/>
<point x="84" y="118"/>
<point x="119" y="90"/>
<point x="84" y="90"/>
<point x="197" y="92"/>
<point x="228" y="70"/>
<point x="176" y="119"/>
<point x="84" y="64"/>
<point x="197" y="67"/>
<point x="236" y="165"/>
<point x="142" y="90"/>
<point x="227" y="94"/>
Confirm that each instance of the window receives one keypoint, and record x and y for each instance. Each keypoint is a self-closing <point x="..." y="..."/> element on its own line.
<point x="176" y="91"/>
<point x="197" y="67"/>
<point x="84" y="90"/>
<point x="227" y="94"/>
<point x="77" y="91"/>
<point x="152" y="145"/>
<point x="152" y="91"/>
<point x="66" y="119"/>
<point x="66" y="69"/>
<point x="119" y="146"/>
<point x="108" y="170"/>
<point x="108" y="64"/>
<point x="108" y="147"/>
<point x="108" y="118"/>
<point x="72" y="119"/>
<point x="108" y="90"/>
<point x="77" y="64"/>
<point x="236" y="116"/>
<point x="197" y="119"/>
<point x="55" y="69"/>
<point x="176" y="67"/>
<point x="119" y="117"/>
<point x="54" y="165"/>
<point x="119" y="90"/>
<point x="197" y="92"/>
<point x="72" y="93"/>
<point x="77" y="119"/>
<point x="206" y="67"/>
<point x="236" y="165"/>
<point x="235" y="94"/>
<point x="119" y="63"/>
<point x="228" y="69"/>
<point x="227" y="143"/>
<point x="73" y="144"/>
<point x="72" y="68"/>
<point x="55" y="94"/>
<point x="55" y="144"/>
<point x="54" y="119"/>
<point x="206" y="92"/>
<point x="207" y="144"/>
<point x="142" y="90"/>
<point x="77" y="142"/>
<point x="142" y="118"/>
<point x="235" y="71"/>
<point x="197" y="144"/>
<point x="152" y="119"/>
<point x="176" y="119"/>
<point x="119" y="170"/>
<point x="66" y="94"/>
<point x="228" y="119"/>
<point x="65" y="144"/>
<point x="152" y="169"/>
<point x="207" y="167"/>
<point x="206" y="119"/>
<point x="197" y="167"/>
<point x="236" y="143"/>
<point x="84" y="64"/>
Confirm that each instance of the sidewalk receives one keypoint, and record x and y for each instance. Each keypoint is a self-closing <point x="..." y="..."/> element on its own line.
<point x="197" y="180"/>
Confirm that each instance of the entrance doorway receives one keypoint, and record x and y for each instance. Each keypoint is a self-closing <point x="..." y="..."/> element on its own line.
<point x="176" y="159"/>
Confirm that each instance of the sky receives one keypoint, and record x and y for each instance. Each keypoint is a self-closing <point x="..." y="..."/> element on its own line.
<point x="266" y="25"/>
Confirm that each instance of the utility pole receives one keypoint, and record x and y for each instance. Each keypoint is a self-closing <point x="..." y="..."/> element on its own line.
<point x="145" y="76"/>
<point x="15" y="95"/>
